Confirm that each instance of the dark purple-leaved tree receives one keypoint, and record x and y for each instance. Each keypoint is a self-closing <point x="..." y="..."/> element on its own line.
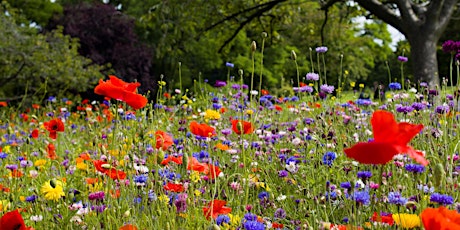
<point x="421" y="21"/>
<point x="107" y="36"/>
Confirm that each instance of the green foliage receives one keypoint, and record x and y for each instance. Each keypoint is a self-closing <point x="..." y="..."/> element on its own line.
<point x="37" y="65"/>
<point x="38" y="11"/>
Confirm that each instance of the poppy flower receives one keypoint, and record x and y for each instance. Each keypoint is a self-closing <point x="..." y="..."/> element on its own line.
<point x="195" y="165"/>
<point x="174" y="187"/>
<point x="35" y="133"/>
<point x="12" y="220"/>
<point x="51" y="150"/>
<point x="163" y="140"/>
<point x="177" y="160"/>
<point x="216" y="208"/>
<point x="244" y="127"/>
<point x="390" y="139"/>
<point x="3" y="104"/>
<point x="385" y="218"/>
<point x="214" y="171"/>
<point x="116" y="174"/>
<point x="202" y="130"/>
<point x="128" y="227"/>
<point x="54" y="126"/>
<point x="117" y="89"/>
<point x="440" y="218"/>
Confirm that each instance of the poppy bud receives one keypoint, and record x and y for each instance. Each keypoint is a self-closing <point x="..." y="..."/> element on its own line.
<point x="53" y="183"/>
<point x="240" y="72"/>
<point x="293" y="55"/>
<point x="264" y="34"/>
<point x="253" y="46"/>
<point x="439" y="174"/>
<point x="127" y="213"/>
<point x="106" y="166"/>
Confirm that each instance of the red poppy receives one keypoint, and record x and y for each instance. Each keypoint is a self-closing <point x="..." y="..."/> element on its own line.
<point x="174" y="187"/>
<point x="242" y="126"/>
<point x="214" y="171"/>
<point x="16" y="173"/>
<point x="177" y="160"/>
<point x="164" y="140"/>
<point x="167" y="95"/>
<point x="3" y="104"/>
<point x="54" y="126"/>
<point x="202" y="130"/>
<point x="24" y="116"/>
<point x="387" y="219"/>
<point x="4" y="189"/>
<point x="390" y="139"/>
<point x="35" y="133"/>
<point x="440" y="219"/>
<point x="12" y="220"/>
<point x="51" y="150"/>
<point x="216" y="208"/>
<point x="116" y="88"/>
<point x="195" y="165"/>
<point x="128" y="227"/>
<point x="264" y="92"/>
<point x="116" y="174"/>
<point x="98" y="164"/>
<point x="278" y="108"/>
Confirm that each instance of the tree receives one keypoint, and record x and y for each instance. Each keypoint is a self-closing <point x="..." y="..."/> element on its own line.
<point x="34" y="66"/>
<point x="107" y="36"/>
<point x="421" y="22"/>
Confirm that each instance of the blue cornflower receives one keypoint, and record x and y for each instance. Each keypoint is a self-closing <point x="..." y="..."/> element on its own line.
<point x="229" y="64"/>
<point x="321" y="49"/>
<point x="346" y="185"/>
<point x="31" y="198"/>
<point x="280" y="213"/>
<point x="441" y="199"/>
<point x="292" y="159"/>
<point x="263" y="195"/>
<point x="361" y="197"/>
<point x="328" y="158"/>
<point x="254" y="225"/>
<point x="396" y="198"/>
<point x="415" y="168"/>
<point x="152" y="196"/>
<point x="364" y="102"/>
<point x="395" y="85"/>
<point x="3" y="155"/>
<point x="364" y="174"/>
<point x="250" y="217"/>
<point x="221" y="219"/>
<point x="141" y="179"/>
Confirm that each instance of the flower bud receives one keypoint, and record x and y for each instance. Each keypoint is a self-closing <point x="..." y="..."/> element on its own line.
<point x="293" y="55"/>
<point x="439" y="174"/>
<point x="253" y="46"/>
<point x="264" y="34"/>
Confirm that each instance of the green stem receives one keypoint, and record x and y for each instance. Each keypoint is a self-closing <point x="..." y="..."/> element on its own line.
<point x="324" y="67"/>
<point x="180" y="77"/>
<point x="261" y="66"/>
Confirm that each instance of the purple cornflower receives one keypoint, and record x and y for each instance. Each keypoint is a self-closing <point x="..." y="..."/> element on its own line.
<point x="364" y="102"/>
<point x="345" y="185"/>
<point x="415" y="168"/>
<point x="98" y="208"/>
<point x="364" y="174"/>
<point x="321" y="49"/>
<point x="221" y="219"/>
<point x="229" y="64"/>
<point x="328" y="158"/>
<point x="253" y="225"/>
<point x="418" y="106"/>
<point x="312" y="77"/>
<point x="280" y="213"/>
<point x="441" y="199"/>
<point x="181" y="202"/>
<point x="396" y="198"/>
<point x="394" y="85"/>
<point x="96" y="196"/>
<point x="433" y="92"/>
<point x="442" y="109"/>
<point x="402" y="59"/>
<point x="250" y="217"/>
<point x="361" y="197"/>
<point x="283" y="173"/>
<point x="263" y="195"/>
<point x="303" y="89"/>
<point x="220" y="83"/>
<point x="327" y="88"/>
<point x="31" y="198"/>
<point x="11" y="167"/>
<point x="403" y="109"/>
<point x="423" y="84"/>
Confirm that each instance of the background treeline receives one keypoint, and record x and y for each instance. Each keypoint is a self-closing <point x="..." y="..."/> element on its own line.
<point x="63" y="48"/>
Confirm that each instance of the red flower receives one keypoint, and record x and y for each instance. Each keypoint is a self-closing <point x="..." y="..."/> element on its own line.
<point x="174" y="187"/>
<point x="3" y="104"/>
<point x="177" y="160"/>
<point x="278" y="108"/>
<point x="54" y="126"/>
<point x="116" y="88"/>
<point x="128" y="227"/>
<point x="387" y="219"/>
<point x="242" y="126"/>
<point x="202" y="130"/>
<point x="108" y="170"/>
<point x="35" y="133"/>
<point x="390" y="139"/>
<point x="51" y="149"/>
<point x="12" y="220"/>
<point x="440" y="219"/>
<point x="195" y="165"/>
<point x="264" y="92"/>
<point x="164" y="140"/>
<point x="216" y="208"/>
<point x="98" y="165"/>
<point x="214" y="171"/>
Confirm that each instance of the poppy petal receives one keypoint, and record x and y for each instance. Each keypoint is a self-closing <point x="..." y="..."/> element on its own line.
<point x="372" y="152"/>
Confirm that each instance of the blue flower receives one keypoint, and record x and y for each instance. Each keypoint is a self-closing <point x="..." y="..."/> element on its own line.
<point x="321" y="49"/>
<point x="140" y="179"/>
<point x="361" y="197"/>
<point x="415" y="168"/>
<point x="346" y="185"/>
<point x="254" y="225"/>
<point x="364" y="174"/>
<point x="328" y="158"/>
<point x="441" y="199"/>
<point x="396" y="198"/>
<point x="250" y="217"/>
<point x="395" y="85"/>
<point x="221" y="219"/>
<point x="280" y="213"/>
<point x="263" y="195"/>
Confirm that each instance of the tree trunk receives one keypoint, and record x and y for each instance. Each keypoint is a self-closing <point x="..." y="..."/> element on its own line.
<point x="424" y="59"/>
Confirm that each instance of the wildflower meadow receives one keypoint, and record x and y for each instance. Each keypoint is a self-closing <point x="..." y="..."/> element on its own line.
<point x="226" y="155"/>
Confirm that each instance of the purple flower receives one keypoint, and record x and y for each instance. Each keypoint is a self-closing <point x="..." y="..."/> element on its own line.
<point x="253" y="225"/>
<point x="181" y="202"/>
<point x="450" y="46"/>
<point x="327" y="88"/>
<point x="283" y="173"/>
<point x="229" y="64"/>
<point x="402" y="59"/>
<point x="98" y="208"/>
<point x="364" y="174"/>
<point x="221" y="219"/>
<point x="303" y="89"/>
<point x="96" y="196"/>
<point x="441" y="199"/>
<point x="442" y="109"/>
<point x="395" y="85"/>
<point x="280" y="213"/>
<point x="403" y="109"/>
<point x="361" y="197"/>
<point x="415" y="168"/>
<point x="328" y="158"/>
<point x="11" y="167"/>
<point x="418" y="106"/>
<point x="345" y="185"/>
<point x="433" y="92"/>
<point x="312" y="77"/>
<point x="321" y="49"/>
<point x="220" y="83"/>
<point x="396" y="198"/>
<point x="423" y="84"/>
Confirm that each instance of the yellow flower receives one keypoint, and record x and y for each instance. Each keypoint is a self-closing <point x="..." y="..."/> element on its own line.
<point x="40" y="163"/>
<point x="352" y="84"/>
<point x="195" y="176"/>
<point x="82" y="166"/>
<point x="406" y="221"/>
<point x="161" y="83"/>
<point x="6" y="149"/>
<point x="346" y="72"/>
<point x="234" y="219"/>
<point x="164" y="198"/>
<point x="53" y="190"/>
<point x="95" y="187"/>
<point x="197" y="192"/>
<point x="361" y="85"/>
<point x="311" y="84"/>
<point x="4" y="205"/>
<point x="249" y="111"/>
<point x="22" y="198"/>
<point x="212" y="114"/>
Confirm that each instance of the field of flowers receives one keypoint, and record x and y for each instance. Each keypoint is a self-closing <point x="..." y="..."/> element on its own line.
<point x="228" y="158"/>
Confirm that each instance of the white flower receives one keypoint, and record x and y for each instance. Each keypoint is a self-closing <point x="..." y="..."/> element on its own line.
<point x="254" y="92"/>
<point x="177" y="91"/>
<point x="36" y="218"/>
<point x="413" y="90"/>
<point x="281" y="197"/>
<point x="141" y="168"/>
<point x="296" y="141"/>
<point x="291" y="167"/>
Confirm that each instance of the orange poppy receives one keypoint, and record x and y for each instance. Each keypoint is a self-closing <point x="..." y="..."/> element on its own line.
<point x="12" y="220"/>
<point x="116" y="88"/>
<point x="16" y="173"/>
<point x="440" y="219"/>
<point x="115" y="193"/>
<point x="264" y="92"/>
<point x="390" y="139"/>
<point x="3" y="104"/>
<point x="116" y="174"/>
<point x="54" y="126"/>
<point x="51" y="149"/>
<point x="195" y="165"/>
<point x="4" y="189"/>
<point x="222" y="147"/>
<point x="174" y="187"/>
<point x="244" y="127"/>
<point x="214" y="171"/>
<point x="163" y="140"/>
<point x="128" y="227"/>
<point x="177" y="160"/>
<point x="85" y="156"/>
<point x="202" y="130"/>
<point x="91" y="180"/>
<point x="278" y="108"/>
<point x="216" y="208"/>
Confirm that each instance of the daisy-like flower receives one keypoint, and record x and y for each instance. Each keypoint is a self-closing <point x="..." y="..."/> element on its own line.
<point x="406" y="221"/>
<point x="212" y="114"/>
<point x="53" y="190"/>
